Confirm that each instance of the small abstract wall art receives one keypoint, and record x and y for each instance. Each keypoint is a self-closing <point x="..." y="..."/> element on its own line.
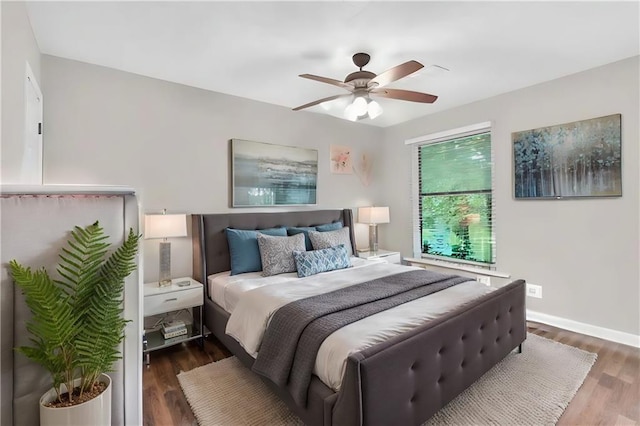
<point x="341" y="160"/>
<point x="579" y="159"/>
<point x="272" y="175"/>
<point x="364" y="169"/>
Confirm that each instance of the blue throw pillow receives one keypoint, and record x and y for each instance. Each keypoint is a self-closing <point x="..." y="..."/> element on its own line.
<point x="316" y="261"/>
<point x="302" y="230"/>
<point x="243" y="248"/>
<point x="329" y="227"/>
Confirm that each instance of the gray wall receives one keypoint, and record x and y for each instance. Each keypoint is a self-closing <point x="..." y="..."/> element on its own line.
<point x="18" y="47"/>
<point x="583" y="252"/>
<point x="170" y="143"/>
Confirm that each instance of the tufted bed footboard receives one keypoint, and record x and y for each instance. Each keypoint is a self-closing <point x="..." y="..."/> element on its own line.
<point x="407" y="379"/>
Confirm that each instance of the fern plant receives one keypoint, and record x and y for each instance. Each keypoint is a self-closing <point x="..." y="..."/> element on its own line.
<point x="77" y="324"/>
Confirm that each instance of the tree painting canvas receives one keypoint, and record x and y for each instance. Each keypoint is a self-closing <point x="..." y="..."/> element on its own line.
<point x="272" y="175"/>
<point x="579" y="159"/>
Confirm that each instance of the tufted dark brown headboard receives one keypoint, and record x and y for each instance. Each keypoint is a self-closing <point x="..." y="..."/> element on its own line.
<point x="210" y="248"/>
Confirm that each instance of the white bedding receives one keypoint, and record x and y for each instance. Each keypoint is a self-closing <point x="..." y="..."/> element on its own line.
<point x="226" y="289"/>
<point x="252" y="300"/>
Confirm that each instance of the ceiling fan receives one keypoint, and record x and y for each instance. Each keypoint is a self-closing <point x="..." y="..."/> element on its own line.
<point x="363" y="84"/>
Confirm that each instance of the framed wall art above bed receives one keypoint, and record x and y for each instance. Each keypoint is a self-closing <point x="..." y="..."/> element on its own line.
<point x="264" y="174"/>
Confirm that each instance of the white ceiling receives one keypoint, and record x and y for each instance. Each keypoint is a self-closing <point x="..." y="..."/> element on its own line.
<point x="256" y="50"/>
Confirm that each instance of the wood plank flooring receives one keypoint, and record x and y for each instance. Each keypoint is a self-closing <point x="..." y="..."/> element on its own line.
<point x="610" y="395"/>
<point x="162" y="398"/>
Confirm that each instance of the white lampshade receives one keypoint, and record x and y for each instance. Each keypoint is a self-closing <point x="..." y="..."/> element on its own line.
<point x="373" y="215"/>
<point x="350" y="113"/>
<point x="165" y="225"/>
<point x="360" y="106"/>
<point x="374" y="109"/>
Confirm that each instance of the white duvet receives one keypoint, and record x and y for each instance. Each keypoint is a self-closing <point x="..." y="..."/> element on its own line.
<point x="252" y="300"/>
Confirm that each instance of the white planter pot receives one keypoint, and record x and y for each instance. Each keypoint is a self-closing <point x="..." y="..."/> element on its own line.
<point x="96" y="412"/>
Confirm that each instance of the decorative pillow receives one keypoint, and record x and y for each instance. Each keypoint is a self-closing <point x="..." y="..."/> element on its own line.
<point x="276" y="253"/>
<point x="302" y="230"/>
<point x="321" y="240"/>
<point x="323" y="260"/>
<point x="329" y="227"/>
<point x="243" y="248"/>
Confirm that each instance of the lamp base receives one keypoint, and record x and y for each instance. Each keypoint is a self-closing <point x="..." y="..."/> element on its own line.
<point x="373" y="238"/>
<point x="164" y="279"/>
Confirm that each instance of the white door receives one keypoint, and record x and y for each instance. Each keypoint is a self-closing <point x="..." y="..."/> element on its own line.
<point x="31" y="172"/>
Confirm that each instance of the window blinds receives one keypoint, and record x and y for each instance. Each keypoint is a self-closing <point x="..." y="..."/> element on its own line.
<point x="453" y="203"/>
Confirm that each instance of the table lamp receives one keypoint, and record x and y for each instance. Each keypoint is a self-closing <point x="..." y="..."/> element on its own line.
<point x="373" y="216"/>
<point x="165" y="226"/>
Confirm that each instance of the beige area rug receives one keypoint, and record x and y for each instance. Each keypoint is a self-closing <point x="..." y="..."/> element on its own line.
<point x="532" y="388"/>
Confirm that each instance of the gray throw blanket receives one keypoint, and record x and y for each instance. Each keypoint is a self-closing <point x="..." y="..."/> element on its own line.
<point x="296" y="331"/>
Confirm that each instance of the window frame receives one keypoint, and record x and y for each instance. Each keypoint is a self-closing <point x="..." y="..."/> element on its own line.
<point x="416" y="196"/>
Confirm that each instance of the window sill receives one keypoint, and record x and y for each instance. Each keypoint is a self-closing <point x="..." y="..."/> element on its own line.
<point x="456" y="266"/>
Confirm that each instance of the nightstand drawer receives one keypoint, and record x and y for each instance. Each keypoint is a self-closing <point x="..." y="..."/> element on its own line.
<point x="172" y="301"/>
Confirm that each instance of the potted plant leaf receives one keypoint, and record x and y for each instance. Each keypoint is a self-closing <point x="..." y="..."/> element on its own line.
<point x="77" y="325"/>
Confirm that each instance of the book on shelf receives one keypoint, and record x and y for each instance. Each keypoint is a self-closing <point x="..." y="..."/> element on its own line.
<point x="175" y="333"/>
<point x="173" y="326"/>
<point x="175" y="339"/>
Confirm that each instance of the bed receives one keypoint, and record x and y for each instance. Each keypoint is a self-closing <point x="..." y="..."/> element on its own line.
<point x="402" y="380"/>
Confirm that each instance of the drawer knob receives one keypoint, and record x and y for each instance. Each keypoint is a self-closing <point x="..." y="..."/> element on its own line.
<point x="172" y="299"/>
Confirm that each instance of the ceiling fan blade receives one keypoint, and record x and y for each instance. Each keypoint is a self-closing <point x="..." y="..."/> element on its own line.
<point x="328" y="81"/>
<point x="319" y="101"/>
<point x="395" y="73"/>
<point x="405" y="95"/>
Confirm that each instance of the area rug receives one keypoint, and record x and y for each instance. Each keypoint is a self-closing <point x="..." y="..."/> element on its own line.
<point x="531" y="388"/>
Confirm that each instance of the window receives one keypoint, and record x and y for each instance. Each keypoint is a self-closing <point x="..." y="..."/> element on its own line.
<point x="454" y="199"/>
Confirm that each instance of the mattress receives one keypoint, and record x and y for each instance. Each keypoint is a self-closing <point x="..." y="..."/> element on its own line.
<point x="252" y="300"/>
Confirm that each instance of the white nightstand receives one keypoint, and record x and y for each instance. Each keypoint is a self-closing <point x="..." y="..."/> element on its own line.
<point x="388" y="256"/>
<point x="163" y="300"/>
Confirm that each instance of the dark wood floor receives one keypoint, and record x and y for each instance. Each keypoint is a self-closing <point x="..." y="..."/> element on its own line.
<point x="162" y="398"/>
<point x="610" y="394"/>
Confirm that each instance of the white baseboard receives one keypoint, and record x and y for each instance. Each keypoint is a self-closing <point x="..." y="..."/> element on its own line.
<point x="588" y="329"/>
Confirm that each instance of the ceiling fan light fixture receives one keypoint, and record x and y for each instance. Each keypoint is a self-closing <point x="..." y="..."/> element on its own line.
<point x="374" y="109"/>
<point x="350" y="113"/>
<point x="363" y="83"/>
<point x="359" y="106"/>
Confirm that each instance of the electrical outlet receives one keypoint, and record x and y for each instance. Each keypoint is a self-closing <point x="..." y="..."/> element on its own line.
<point x="484" y="280"/>
<point x="534" y="290"/>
